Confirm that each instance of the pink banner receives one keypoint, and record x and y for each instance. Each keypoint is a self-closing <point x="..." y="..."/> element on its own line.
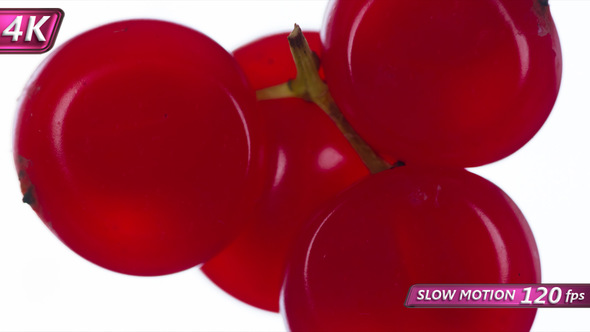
<point x="28" y="30"/>
<point x="499" y="295"/>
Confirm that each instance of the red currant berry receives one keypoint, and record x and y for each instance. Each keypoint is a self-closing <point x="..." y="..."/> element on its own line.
<point x="353" y="266"/>
<point x="136" y="145"/>
<point x="446" y="82"/>
<point x="308" y="161"/>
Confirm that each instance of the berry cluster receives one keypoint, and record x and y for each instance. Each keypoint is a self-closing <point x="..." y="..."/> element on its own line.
<point x="318" y="176"/>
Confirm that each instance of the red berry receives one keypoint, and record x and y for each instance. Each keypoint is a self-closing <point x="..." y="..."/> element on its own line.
<point x="308" y="161"/>
<point x="136" y="145"/>
<point x="445" y="82"/>
<point x="353" y="266"/>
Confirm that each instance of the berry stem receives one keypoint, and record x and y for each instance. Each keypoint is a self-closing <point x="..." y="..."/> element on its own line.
<point x="309" y="86"/>
<point x="276" y="92"/>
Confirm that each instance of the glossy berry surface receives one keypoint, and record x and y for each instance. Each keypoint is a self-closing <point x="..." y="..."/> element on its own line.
<point x="308" y="162"/>
<point x="353" y="266"/>
<point x="461" y="83"/>
<point x="136" y="145"/>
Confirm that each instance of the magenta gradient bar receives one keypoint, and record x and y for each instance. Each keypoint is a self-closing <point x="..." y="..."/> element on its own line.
<point x="27" y="30"/>
<point x="499" y="296"/>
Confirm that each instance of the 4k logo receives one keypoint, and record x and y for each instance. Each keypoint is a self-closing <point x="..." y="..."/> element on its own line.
<point x="29" y="30"/>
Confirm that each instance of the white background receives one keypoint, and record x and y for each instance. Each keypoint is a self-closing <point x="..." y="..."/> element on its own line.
<point x="46" y="287"/>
